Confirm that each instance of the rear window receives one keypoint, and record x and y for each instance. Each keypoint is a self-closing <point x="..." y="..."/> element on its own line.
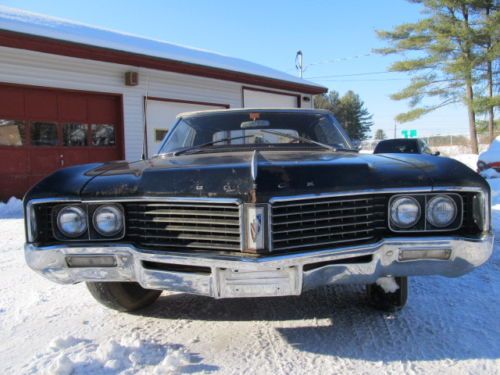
<point x="396" y="146"/>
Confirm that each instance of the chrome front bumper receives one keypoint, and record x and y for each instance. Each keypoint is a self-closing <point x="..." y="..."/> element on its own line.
<point x="223" y="276"/>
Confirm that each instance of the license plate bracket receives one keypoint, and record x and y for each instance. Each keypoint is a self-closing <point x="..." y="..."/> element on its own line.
<point x="241" y="283"/>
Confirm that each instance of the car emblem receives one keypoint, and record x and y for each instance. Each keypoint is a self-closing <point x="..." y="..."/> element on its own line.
<point x="228" y="188"/>
<point x="256" y="226"/>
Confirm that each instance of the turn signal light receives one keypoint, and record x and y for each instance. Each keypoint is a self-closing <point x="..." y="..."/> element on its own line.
<point x="78" y="261"/>
<point x="440" y="254"/>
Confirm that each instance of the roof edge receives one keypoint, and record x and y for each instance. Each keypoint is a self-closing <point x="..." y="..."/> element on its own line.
<point x="60" y="47"/>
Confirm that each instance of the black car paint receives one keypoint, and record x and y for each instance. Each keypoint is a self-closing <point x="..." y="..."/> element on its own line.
<point x="280" y="173"/>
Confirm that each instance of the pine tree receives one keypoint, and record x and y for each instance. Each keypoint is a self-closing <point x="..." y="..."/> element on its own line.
<point x="487" y="40"/>
<point x="380" y="135"/>
<point x="443" y="58"/>
<point x="349" y="110"/>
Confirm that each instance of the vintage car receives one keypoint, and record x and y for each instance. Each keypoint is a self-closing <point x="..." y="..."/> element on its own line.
<point x="257" y="203"/>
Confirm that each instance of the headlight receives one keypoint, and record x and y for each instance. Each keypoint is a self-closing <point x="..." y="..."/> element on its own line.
<point x="72" y="221"/>
<point x="441" y="211"/>
<point x="405" y="212"/>
<point x="108" y="220"/>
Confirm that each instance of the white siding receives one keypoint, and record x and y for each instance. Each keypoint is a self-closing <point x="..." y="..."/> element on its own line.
<point x="41" y="69"/>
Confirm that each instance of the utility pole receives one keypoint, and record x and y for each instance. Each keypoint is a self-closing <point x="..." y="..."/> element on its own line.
<point x="395" y="129"/>
<point x="299" y="62"/>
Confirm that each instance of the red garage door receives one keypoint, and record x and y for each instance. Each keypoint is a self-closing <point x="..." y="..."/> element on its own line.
<point x="42" y="130"/>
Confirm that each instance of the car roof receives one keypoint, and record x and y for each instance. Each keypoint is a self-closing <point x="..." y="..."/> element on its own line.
<point x="394" y="140"/>
<point x="250" y="110"/>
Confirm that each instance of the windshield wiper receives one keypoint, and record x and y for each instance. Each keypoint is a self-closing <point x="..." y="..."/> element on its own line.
<point x="299" y="138"/>
<point x="203" y="145"/>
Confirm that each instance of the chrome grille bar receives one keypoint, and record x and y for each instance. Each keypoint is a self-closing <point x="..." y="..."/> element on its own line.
<point x="184" y="225"/>
<point x="316" y="223"/>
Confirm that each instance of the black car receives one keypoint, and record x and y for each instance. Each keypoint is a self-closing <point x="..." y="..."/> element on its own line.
<point x="257" y="203"/>
<point x="403" y="146"/>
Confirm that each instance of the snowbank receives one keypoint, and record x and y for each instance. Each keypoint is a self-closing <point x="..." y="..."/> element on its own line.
<point x="469" y="160"/>
<point x="495" y="192"/>
<point x="490" y="173"/>
<point x="131" y="355"/>
<point x="491" y="155"/>
<point x="13" y="209"/>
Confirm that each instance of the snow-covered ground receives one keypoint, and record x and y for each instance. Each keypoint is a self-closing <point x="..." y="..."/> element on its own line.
<point x="450" y="326"/>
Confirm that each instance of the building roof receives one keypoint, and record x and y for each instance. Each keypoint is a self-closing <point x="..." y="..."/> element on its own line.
<point x="27" y="30"/>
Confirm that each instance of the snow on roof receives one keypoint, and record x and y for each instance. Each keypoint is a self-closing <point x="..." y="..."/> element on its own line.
<point x="25" y="22"/>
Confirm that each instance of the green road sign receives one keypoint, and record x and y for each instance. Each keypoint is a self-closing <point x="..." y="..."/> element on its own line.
<point x="412" y="133"/>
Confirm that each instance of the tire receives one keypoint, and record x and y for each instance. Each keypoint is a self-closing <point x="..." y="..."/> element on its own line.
<point x="390" y="302"/>
<point x="124" y="297"/>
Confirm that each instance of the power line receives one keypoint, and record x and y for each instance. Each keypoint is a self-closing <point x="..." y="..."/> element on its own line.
<point x="364" y="80"/>
<point x="338" y="59"/>
<point x="351" y="75"/>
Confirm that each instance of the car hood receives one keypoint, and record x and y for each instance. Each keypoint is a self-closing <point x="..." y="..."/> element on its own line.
<point x="258" y="176"/>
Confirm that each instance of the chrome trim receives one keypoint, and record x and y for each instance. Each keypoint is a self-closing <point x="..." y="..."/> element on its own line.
<point x="165" y="199"/>
<point x="263" y="276"/>
<point x="254" y="165"/>
<point x="123" y="229"/>
<point x="30" y="205"/>
<point x="389" y="211"/>
<point x="65" y="237"/>
<point x="423" y="189"/>
<point x="429" y="217"/>
<point x="270" y="228"/>
<point x="424" y="212"/>
<point x="349" y="193"/>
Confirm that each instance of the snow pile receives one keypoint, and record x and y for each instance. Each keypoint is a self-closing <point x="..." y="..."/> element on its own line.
<point x="388" y="284"/>
<point x="131" y="355"/>
<point x="491" y="155"/>
<point x="13" y="209"/>
<point x="469" y="160"/>
<point x="490" y="173"/>
<point x="495" y="193"/>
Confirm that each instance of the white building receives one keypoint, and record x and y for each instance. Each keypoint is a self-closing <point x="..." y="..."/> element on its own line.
<point x="71" y="93"/>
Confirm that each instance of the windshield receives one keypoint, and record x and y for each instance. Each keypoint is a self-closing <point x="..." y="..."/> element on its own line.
<point x="216" y="131"/>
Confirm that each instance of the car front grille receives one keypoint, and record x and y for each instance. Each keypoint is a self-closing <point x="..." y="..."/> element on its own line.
<point x="313" y="224"/>
<point x="178" y="226"/>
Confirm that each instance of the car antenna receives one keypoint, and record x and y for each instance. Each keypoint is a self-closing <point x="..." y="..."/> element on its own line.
<point x="145" y="114"/>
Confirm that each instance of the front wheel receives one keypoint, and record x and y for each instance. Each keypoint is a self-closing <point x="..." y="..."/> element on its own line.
<point x="384" y="297"/>
<point x="123" y="297"/>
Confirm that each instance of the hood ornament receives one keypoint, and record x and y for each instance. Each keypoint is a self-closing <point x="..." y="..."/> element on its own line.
<point x="254" y="164"/>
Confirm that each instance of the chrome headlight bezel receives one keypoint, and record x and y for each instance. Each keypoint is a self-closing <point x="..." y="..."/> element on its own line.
<point x="82" y="215"/>
<point x="430" y="207"/>
<point x="399" y="200"/>
<point x="115" y="210"/>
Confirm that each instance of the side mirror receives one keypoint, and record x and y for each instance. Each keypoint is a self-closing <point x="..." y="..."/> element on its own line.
<point x="437" y="153"/>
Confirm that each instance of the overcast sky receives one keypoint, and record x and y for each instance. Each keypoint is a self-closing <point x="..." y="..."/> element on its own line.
<point x="336" y="37"/>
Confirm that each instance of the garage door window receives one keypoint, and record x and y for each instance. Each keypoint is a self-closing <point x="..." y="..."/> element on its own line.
<point x="75" y="134"/>
<point x="103" y="135"/>
<point x="12" y="133"/>
<point x="43" y="134"/>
